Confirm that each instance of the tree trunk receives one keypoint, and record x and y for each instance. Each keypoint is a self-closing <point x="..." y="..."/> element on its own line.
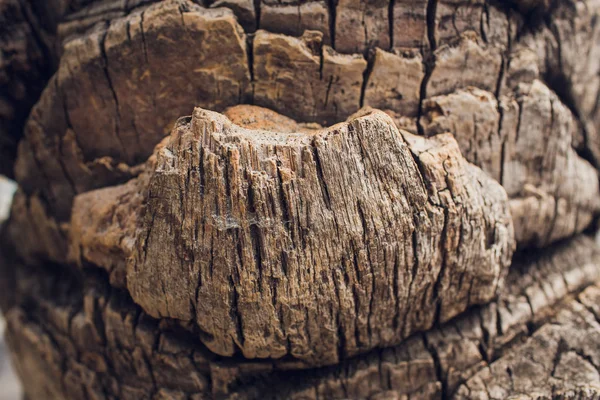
<point x="367" y="199"/>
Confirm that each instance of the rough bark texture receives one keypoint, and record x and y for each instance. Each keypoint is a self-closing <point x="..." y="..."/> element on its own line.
<point x="235" y="234"/>
<point x="78" y="338"/>
<point x="336" y="219"/>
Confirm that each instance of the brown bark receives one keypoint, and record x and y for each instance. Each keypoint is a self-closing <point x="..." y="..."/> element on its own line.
<point x="260" y="240"/>
<point x="85" y="338"/>
<point x="337" y="218"/>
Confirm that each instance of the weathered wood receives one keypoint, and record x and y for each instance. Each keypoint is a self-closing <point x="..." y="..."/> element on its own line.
<point x="116" y="125"/>
<point x="237" y="233"/>
<point x="77" y="338"/>
<point x="553" y="191"/>
<point x="90" y="129"/>
<point x="250" y="255"/>
<point x="560" y="360"/>
<point x="302" y="78"/>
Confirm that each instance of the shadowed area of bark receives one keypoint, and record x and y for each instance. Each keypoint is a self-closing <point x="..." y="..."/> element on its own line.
<point x="26" y="63"/>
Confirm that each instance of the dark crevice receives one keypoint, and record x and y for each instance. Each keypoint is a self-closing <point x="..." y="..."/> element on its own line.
<point x="321" y="62"/>
<point x="438" y="368"/>
<point x="519" y="120"/>
<point x="322" y="182"/>
<point x="250" y="55"/>
<point x="484" y="22"/>
<point x="111" y="87"/>
<point x="502" y="156"/>
<point x="484" y="344"/>
<point x="438" y="286"/>
<point x="332" y="6"/>
<point x="370" y="57"/>
<point x="504" y="66"/>
<point x="143" y="35"/>
<point x="63" y="167"/>
<point x="257" y="4"/>
<point x="499" y="332"/>
<point x="284" y="204"/>
<point x="236" y="316"/>
<point x="428" y="60"/>
<point x="562" y="348"/>
<point x="431" y="23"/>
<point x="391" y="22"/>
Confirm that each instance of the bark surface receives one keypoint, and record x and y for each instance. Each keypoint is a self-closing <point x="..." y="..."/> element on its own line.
<point x="235" y="233"/>
<point x="338" y="215"/>
<point x="83" y="338"/>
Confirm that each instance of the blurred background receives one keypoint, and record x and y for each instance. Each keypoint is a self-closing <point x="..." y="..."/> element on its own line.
<point x="9" y="385"/>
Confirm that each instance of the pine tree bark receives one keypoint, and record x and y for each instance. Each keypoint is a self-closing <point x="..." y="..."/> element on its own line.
<point x="302" y="199"/>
